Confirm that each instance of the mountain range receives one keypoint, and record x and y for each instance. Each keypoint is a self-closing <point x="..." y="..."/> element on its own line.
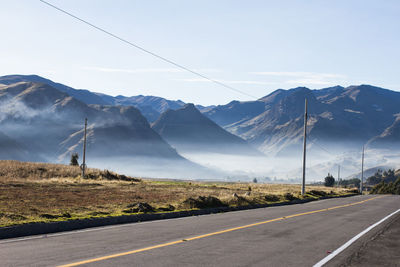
<point x="41" y="123"/>
<point x="37" y="114"/>
<point x="337" y="117"/>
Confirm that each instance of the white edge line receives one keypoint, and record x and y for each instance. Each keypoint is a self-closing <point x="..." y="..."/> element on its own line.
<point x="351" y="241"/>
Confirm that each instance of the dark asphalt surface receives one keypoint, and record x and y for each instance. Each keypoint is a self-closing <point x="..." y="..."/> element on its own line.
<point x="294" y="241"/>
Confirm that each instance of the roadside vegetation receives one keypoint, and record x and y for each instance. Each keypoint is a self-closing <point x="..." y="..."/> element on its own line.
<point x="385" y="182"/>
<point x="41" y="192"/>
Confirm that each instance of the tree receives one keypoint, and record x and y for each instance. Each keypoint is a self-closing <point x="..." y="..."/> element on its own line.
<point x="74" y="159"/>
<point x="329" y="180"/>
<point x="389" y="176"/>
<point x="255" y="180"/>
<point x="375" y="179"/>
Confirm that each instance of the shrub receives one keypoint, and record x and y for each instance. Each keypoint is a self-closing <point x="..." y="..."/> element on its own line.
<point x="202" y="202"/>
<point x="289" y="196"/>
<point x="139" y="207"/>
<point x="387" y="188"/>
<point x="329" y="180"/>
<point x="375" y="179"/>
<point x="74" y="159"/>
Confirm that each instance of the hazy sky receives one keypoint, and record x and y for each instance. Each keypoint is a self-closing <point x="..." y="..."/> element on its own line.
<point x="254" y="46"/>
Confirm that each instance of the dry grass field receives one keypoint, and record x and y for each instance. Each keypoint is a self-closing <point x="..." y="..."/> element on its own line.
<point x="41" y="192"/>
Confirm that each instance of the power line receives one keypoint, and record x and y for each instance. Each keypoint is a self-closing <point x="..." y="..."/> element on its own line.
<point x="147" y="51"/>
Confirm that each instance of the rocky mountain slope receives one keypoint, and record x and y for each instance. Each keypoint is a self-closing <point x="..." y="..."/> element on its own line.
<point x="351" y="116"/>
<point x="42" y="117"/>
<point x="190" y="131"/>
<point x="150" y="106"/>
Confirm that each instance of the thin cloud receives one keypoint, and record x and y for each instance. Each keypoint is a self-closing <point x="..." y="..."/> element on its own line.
<point x="146" y="70"/>
<point x="310" y="81"/>
<point x="304" y="78"/>
<point x="298" y="74"/>
<point x="225" y="81"/>
<point x="143" y="70"/>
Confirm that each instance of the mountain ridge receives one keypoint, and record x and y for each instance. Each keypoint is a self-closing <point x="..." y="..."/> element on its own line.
<point x="353" y="115"/>
<point x="189" y="130"/>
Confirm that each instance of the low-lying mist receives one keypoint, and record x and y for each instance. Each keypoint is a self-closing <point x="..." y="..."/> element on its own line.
<point x="151" y="167"/>
<point x="289" y="169"/>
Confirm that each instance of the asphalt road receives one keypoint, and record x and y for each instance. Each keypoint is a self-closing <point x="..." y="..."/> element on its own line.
<point x="295" y="235"/>
<point x="382" y="249"/>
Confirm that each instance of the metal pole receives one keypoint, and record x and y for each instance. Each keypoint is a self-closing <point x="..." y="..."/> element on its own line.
<point x="84" y="151"/>
<point x="303" y="186"/>
<point x="362" y="171"/>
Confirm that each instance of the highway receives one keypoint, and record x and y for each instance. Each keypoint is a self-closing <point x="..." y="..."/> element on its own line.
<point x="293" y="235"/>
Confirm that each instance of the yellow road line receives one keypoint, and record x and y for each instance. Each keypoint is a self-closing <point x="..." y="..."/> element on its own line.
<point x="211" y="234"/>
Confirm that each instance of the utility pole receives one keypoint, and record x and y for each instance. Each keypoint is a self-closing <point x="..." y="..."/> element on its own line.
<point x="362" y="171"/>
<point x="303" y="186"/>
<point x="84" y="151"/>
<point x="338" y="176"/>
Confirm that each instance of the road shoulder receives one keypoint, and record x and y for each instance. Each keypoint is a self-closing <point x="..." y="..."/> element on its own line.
<point x="379" y="247"/>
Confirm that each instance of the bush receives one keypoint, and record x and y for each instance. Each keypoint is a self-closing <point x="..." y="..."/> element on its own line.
<point x="289" y="196"/>
<point x="139" y="207"/>
<point x="74" y="159"/>
<point x="387" y="188"/>
<point x="375" y="179"/>
<point x="202" y="202"/>
<point x="107" y="175"/>
<point x="329" y="180"/>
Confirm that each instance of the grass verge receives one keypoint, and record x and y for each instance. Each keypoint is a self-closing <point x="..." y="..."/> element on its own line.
<point x="42" y="192"/>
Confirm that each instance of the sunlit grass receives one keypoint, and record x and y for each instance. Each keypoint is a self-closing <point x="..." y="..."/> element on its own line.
<point x="42" y="192"/>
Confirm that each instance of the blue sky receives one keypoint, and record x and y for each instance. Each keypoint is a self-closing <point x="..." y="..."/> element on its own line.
<point x="254" y="46"/>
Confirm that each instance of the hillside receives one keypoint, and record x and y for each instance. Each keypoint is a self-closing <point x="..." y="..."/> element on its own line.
<point x="47" y="124"/>
<point x="190" y="131"/>
<point x="150" y="106"/>
<point x="352" y="115"/>
<point x="389" y="138"/>
<point x="80" y="94"/>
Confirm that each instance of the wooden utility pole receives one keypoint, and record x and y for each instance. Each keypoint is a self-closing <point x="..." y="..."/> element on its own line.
<point x="338" y="176"/>
<point x="303" y="185"/>
<point x="362" y="171"/>
<point x="84" y="151"/>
